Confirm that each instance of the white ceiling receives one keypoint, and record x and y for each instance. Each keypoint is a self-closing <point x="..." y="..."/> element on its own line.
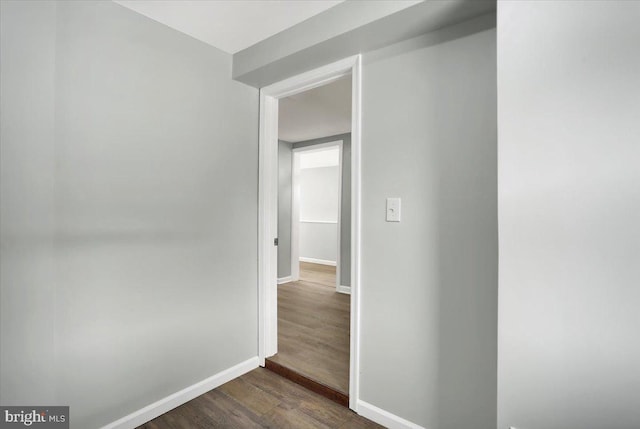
<point x="321" y="112"/>
<point x="229" y="25"/>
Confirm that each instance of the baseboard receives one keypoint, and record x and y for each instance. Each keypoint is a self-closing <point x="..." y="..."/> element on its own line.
<point x="160" y="407"/>
<point x="344" y="289"/>
<point x="317" y="261"/>
<point x="384" y="418"/>
<point x="287" y="279"/>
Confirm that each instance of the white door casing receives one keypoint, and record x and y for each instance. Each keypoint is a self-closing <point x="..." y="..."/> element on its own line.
<point x="268" y="207"/>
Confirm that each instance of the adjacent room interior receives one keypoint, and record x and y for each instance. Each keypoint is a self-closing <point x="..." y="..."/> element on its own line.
<point x="314" y="236"/>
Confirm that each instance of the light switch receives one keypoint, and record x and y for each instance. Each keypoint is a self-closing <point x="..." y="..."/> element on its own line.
<point x="393" y="209"/>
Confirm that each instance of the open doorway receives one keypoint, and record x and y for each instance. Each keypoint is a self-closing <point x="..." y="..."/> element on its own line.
<point x="320" y="202"/>
<point x="270" y="98"/>
<point x="314" y="235"/>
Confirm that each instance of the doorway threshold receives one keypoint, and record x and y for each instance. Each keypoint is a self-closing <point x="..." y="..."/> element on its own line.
<point x="304" y="381"/>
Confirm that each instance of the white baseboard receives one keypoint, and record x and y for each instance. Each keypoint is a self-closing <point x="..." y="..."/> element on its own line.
<point x="285" y="280"/>
<point x="317" y="261"/>
<point x="344" y="289"/>
<point x="384" y="418"/>
<point x="160" y="407"/>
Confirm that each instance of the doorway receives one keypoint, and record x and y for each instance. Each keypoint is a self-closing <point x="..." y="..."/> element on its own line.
<point x="313" y="310"/>
<point x="268" y="219"/>
<point x="320" y="209"/>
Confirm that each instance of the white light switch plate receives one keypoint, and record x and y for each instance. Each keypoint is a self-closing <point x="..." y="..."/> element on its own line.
<point x="393" y="209"/>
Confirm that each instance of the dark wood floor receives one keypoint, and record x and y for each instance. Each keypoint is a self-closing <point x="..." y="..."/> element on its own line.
<point x="260" y="399"/>
<point x="313" y="327"/>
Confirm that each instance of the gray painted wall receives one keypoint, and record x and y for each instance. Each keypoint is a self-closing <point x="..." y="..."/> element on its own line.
<point x="429" y="283"/>
<point x="345" y="220"/>
<point x="27" y="206"/>
<point x="569" y="201"/>
<point x="129" y="254"/>
<point x="284" y="208"/>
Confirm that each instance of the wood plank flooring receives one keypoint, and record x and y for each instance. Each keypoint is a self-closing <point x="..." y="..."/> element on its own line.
<point x="313" y="327"/>
<point x="260" y="399"/>
<point x="307" y="383"/>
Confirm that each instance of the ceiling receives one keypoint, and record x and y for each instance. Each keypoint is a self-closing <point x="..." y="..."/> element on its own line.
<point x="321" y="112"/>
<point x="229" y="25"/>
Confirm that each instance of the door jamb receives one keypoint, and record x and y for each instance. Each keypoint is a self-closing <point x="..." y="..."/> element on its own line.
<point x="267" y="207"/>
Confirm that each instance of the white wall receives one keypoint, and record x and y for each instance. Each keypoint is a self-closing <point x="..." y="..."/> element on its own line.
<point x="319" y="198"/>
<point x="429" y="283"/>
<point x="569" y="202"/>
<point x="319" y="242"/>
<point x="129" y="234"/>
<point x="319" y="193"/>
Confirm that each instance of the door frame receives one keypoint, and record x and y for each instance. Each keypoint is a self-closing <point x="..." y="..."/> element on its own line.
<point x="268" y="207"/>
<point x="295" y="209"/>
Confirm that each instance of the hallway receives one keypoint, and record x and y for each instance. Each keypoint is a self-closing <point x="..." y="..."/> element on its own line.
<point x="313" y="327"/>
